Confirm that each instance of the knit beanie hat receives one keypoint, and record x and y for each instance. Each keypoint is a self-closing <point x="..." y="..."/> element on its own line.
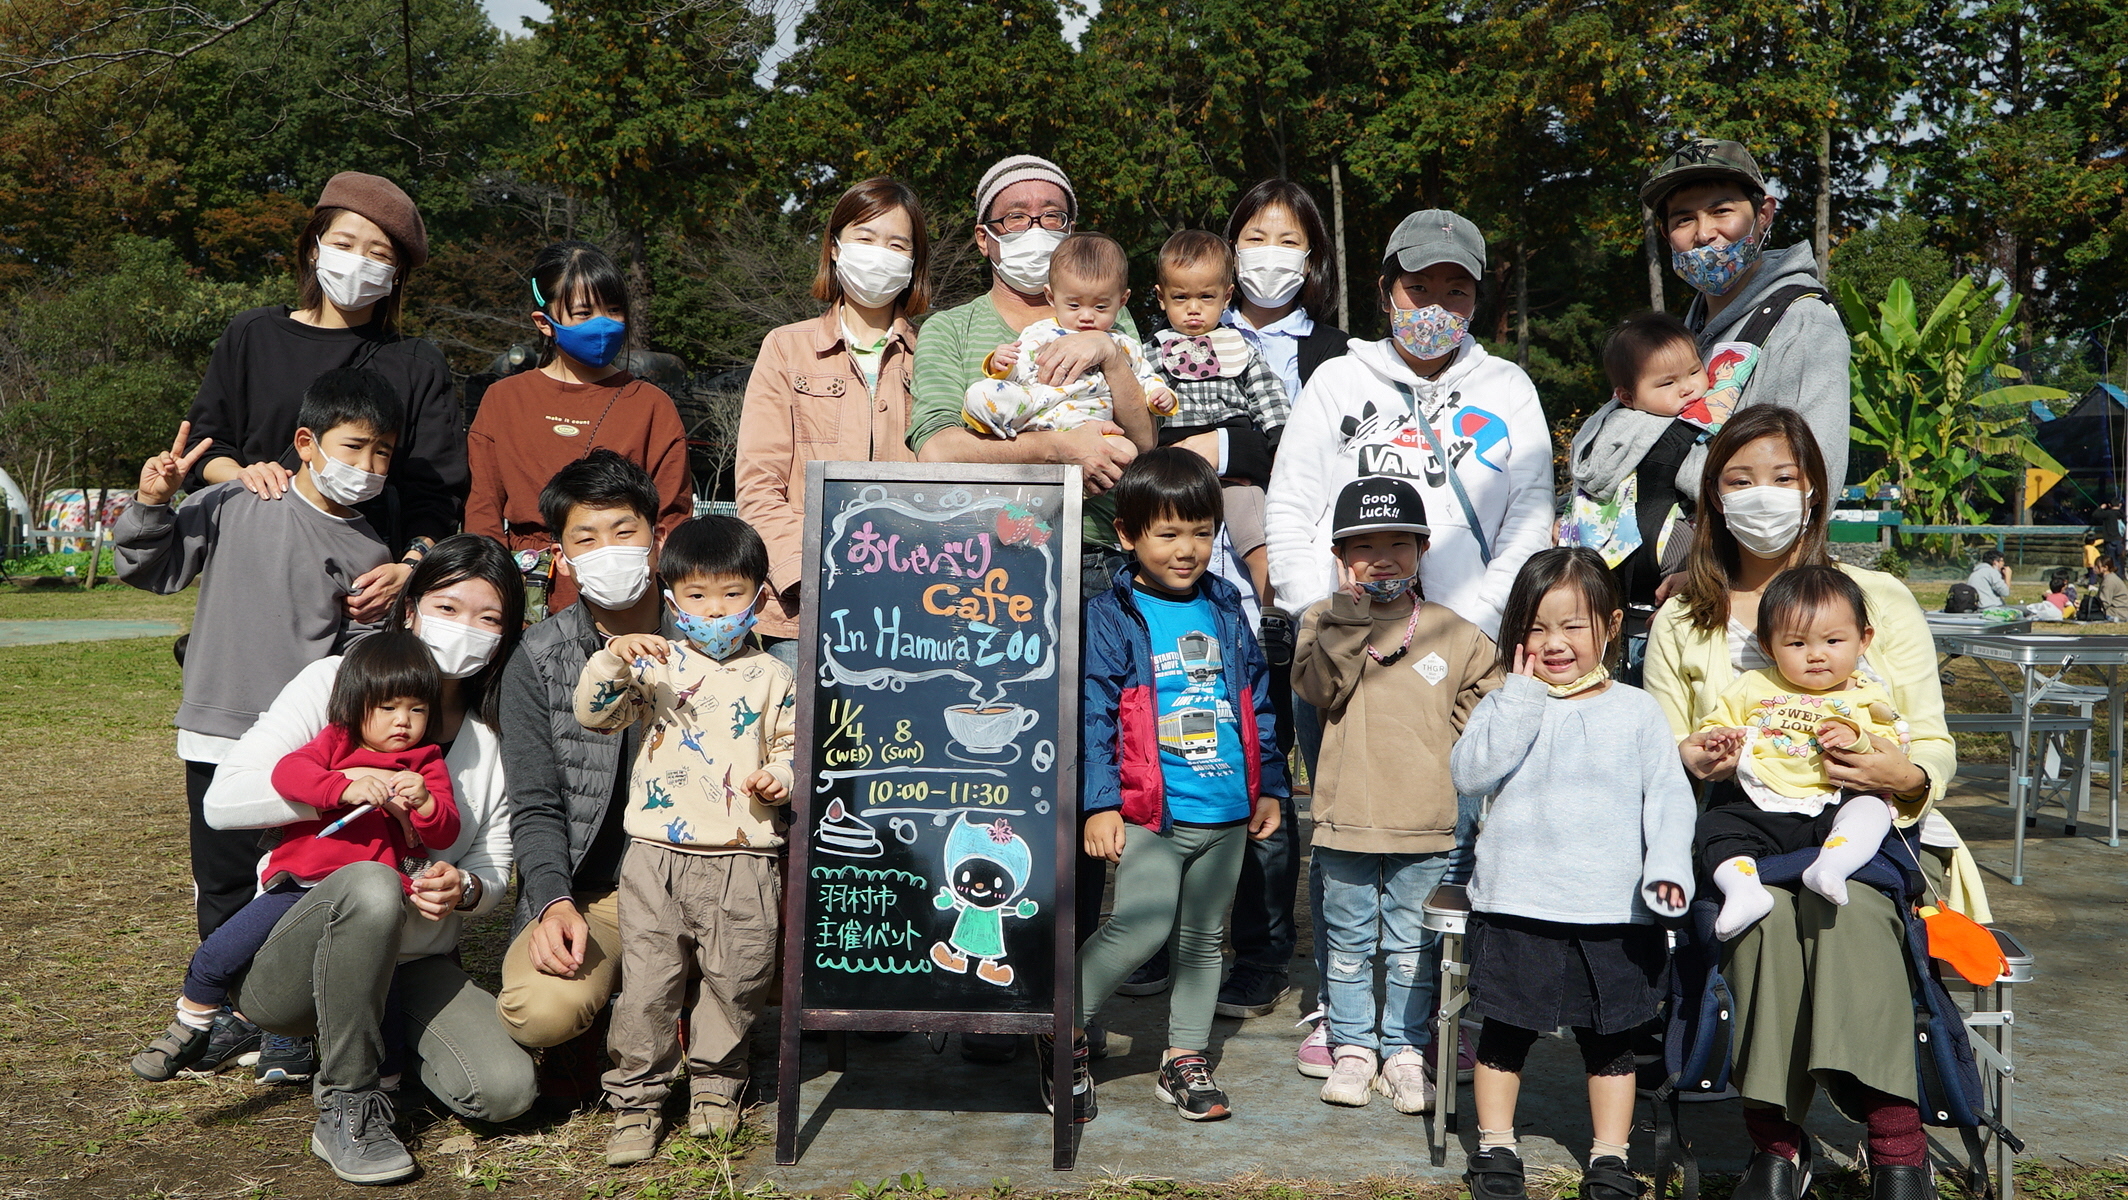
<point x="380" y="200"/>
<point x="1019" y="169"/>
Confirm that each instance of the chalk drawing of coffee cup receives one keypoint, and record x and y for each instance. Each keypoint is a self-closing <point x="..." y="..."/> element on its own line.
<point x="988" y="728"/>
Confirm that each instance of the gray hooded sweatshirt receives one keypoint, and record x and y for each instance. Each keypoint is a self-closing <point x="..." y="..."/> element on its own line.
<point x="1803" y="363"/>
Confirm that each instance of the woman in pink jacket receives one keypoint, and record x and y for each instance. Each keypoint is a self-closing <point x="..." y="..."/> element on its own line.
<point x="836" y="387"/>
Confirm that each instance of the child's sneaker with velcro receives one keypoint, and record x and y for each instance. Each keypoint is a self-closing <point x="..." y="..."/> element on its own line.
<point x="1084" y="1107"/>
<point x="1185" y="1081"/>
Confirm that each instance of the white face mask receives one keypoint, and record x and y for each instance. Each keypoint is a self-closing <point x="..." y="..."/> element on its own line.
<point x="872" y="275"/>
<point x="1270" y="275"/>
<point x="1766" y="520"/>
<point x="459" y="648"/>
<point x="1023" y="258"/>
<point x="612" y="577"/>
<point x="344" y="483"/>
<point x="353" y="280"/>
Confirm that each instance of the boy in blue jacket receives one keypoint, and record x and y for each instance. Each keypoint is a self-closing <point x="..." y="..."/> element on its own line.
<point x="1181" y="764"/>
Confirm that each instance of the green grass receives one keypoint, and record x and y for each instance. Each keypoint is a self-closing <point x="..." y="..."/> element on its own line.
<point x="109" y="602"/>
<point x="56" y="564"/>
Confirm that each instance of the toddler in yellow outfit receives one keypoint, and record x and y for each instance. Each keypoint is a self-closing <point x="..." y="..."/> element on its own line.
<point x="1816" y="695"/>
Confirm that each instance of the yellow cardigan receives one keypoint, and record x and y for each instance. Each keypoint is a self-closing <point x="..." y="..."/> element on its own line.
<point x="1687" y="670"/>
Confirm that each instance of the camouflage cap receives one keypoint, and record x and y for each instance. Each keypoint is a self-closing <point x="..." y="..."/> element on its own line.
<point x="1697" y="161"/>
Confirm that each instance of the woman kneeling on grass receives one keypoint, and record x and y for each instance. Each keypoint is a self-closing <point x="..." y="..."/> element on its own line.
<point x="327" y="965"/>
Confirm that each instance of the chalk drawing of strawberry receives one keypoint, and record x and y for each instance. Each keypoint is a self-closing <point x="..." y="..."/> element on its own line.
<point x="1016" y="525"/>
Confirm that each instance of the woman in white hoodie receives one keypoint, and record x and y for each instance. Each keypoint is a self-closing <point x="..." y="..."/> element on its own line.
<point x="1400" y="407"/>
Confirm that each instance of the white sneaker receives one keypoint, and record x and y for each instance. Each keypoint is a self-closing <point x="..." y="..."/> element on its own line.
<point x="1407" y="1079"/>
<point x="1351" y="1076"/>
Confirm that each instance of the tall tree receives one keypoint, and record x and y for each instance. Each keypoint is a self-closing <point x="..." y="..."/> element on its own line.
<point x="643" y="108"/>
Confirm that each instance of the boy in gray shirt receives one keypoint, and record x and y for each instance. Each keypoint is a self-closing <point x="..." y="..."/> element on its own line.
<point x="277" y="575"/>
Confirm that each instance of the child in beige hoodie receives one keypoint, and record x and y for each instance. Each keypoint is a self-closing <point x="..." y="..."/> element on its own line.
<point x="1395" y="678"/>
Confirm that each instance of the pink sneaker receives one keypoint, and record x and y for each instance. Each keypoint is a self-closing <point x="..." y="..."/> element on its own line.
<point x="1313" y="1057"/>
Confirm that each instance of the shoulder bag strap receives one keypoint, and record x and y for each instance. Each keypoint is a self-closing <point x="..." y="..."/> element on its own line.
<point x="1455" y="482"/>
<point x="1771" y="310"/>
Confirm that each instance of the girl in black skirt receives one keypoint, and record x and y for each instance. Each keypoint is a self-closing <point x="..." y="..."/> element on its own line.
<point x="1589" y="838"/>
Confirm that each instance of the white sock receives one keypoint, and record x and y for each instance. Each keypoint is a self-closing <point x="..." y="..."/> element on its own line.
<point x="1857" y="830"/>
<point x="1745" y="901"/>
<point x="1602" y="1149"/>
<point x="192" y="1019"/>
<point x="1497" y="1139"/>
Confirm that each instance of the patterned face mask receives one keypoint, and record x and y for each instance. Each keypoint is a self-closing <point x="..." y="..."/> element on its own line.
<point x="718" y="637"/>
<point x="1428" y="332"/>
<point x="1713" y="270"/>
<point x="1382" y="591"/>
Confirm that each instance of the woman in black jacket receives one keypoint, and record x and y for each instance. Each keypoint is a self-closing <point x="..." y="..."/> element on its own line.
<point x="352" y="261"/>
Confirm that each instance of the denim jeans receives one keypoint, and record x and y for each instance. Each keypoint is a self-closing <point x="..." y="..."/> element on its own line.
<point x="1371" y="905"/>
<point x="1456" y="869"/>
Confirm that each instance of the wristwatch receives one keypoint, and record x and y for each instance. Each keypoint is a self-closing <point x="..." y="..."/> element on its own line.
<point x="471" y="895"/>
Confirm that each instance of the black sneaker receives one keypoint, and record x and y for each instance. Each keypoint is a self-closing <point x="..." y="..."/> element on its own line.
<point x="1496" y="1174"/>
<point x="1607" y="1178"/>
<point x="231" y="1042"/>
<point x="1084" y="1108"/>
<point x="354" y="1136"/>
<point x="1251" y="991"/>
<point x="179" y="1047"/>
<point x="1150" y="979"/>
<point x="286" y="1060"/>
<point x="1185" y="1081"/>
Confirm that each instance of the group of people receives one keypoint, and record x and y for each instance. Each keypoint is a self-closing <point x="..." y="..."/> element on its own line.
<point x="430" y="660"/>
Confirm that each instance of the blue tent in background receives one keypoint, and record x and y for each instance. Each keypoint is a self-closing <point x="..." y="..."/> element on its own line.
<point x="2091" y="440"/>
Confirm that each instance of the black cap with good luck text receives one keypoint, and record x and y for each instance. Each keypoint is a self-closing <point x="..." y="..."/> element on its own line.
<point x="1378" y="503"/>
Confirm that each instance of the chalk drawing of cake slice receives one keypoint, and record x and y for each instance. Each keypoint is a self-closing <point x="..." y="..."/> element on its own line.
<point x="841" y="832"/>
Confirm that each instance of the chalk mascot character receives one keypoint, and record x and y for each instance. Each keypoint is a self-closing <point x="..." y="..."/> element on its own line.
<point x="986" y="869"/>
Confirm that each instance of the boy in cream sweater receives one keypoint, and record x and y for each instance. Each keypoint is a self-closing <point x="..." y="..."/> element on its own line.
<point x="706" y="826"/>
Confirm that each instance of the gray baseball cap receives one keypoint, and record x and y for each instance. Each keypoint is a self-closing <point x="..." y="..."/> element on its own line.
<point x="1697" y="161"/>
<point x="1436" y="236"/>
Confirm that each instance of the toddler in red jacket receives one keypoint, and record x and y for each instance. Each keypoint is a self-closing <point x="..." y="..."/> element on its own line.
<point x="382" y="794"/>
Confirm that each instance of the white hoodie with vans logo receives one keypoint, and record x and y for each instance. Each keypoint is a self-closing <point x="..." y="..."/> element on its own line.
<point x="1351" y="420"/>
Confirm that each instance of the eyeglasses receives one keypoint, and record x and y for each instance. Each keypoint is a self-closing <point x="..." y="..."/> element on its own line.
<point x="1056" y="220"/>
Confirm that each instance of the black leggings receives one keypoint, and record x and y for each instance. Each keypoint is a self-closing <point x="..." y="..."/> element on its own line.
<point x="1505" y="1047"/>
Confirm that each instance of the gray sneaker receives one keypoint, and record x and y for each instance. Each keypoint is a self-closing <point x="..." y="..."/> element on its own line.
<point x="354" y="1136"/>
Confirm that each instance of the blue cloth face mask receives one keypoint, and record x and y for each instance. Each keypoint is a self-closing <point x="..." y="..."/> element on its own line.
<point x="592" y="342"/>
<point x="718" y="637"/>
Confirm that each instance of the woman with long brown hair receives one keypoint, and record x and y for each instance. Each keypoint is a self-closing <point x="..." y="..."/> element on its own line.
<point x="835" y="387"/>
<point x="1823" y="999"/>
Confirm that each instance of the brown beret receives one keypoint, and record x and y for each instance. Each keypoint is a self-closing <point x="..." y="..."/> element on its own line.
<point x="380" y="200"/>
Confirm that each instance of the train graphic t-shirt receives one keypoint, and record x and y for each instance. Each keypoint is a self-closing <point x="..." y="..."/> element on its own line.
<point x="1200" y="743"/>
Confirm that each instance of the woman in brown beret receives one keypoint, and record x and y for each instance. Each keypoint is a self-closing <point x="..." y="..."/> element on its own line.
<point x="352" y="260"/>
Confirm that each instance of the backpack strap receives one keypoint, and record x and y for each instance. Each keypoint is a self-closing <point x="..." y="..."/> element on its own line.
<point x="1455" y="481"/>
<point x="1770" y="310"/>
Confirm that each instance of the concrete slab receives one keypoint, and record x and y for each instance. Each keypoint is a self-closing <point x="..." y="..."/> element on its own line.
<point x="52" y="632"/>
<point x="903" y="1107"/>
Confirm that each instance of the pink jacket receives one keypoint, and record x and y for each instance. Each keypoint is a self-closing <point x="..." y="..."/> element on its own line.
<point x="807" y="400"/>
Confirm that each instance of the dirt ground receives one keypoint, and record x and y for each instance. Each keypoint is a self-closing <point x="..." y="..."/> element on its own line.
<point x="98" y="927"/>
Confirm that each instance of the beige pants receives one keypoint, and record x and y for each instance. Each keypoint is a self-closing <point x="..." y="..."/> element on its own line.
<point x="546" y="1010"/>
<point x="715" y="913"/>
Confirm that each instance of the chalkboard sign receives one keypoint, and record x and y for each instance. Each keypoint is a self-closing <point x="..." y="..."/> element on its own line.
<point x="934" y="828"/>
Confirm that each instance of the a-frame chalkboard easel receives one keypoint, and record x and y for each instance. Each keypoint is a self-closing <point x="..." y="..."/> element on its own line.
<point x="934" y="833"/>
